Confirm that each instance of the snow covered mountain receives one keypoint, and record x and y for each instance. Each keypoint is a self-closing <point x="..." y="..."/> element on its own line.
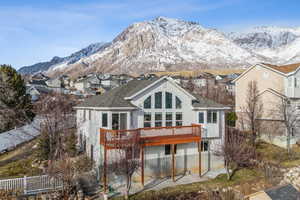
<point x="172" y="44"/>
<point x="279" y="45"/>
<point x="58" y="62"/>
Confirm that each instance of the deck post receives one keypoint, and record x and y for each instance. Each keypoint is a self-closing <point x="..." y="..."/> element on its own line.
<point x="142" y="166"/>
<point x="199" y="153"/>
<point x="105" y="165"/>
<point x="173" y="162"/>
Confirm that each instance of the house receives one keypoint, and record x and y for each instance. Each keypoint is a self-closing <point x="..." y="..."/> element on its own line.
<point x="82" y="84"/>
<point x="36" y="91"/>
<point x="273" y="83"/>
<point x="54" y="83"/>
<point x="163" y="114"/>
<point x="285" y="192"/>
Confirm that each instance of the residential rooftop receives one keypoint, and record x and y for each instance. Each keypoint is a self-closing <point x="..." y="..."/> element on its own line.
<point x="116" y="97"/>
<point x="284" y="68"/>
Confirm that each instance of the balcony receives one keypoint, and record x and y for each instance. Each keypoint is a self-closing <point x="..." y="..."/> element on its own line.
<point x="118" y="139"/>
<point x="151" y="136"/>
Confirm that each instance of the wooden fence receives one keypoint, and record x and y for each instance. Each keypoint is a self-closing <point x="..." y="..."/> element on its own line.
<point x="31" y="185"/>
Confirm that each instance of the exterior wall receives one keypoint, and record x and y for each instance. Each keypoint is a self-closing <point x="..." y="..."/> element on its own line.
<point x="187" y="154"/>
<point x="293" y="85"/>
<point x="165" y="86"/>
<point x="265" y="79"/>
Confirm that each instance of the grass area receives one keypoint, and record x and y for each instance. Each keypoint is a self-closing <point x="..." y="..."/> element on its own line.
<point x="278" y="155"/>
<point x="18" y="162"/>
<point x="241" y="176"/>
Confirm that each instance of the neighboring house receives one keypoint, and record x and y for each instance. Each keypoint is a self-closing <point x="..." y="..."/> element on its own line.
<point x="286" y="192"/>
<point x="36" y="91"/>
<point x="227" y="84"/>
<point x="155" y="107"/>
<point x="54" y="83"/>
<point x="82" y="84"/>
<point x="35" y="82"/>
<point x="220" y="77"/>
<point x="40" y="76"/>
<point x="110" y="82"/>
<point x="274" y="83"/>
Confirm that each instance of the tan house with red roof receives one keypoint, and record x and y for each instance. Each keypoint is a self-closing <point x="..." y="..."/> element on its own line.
<point x="273" y="82"/>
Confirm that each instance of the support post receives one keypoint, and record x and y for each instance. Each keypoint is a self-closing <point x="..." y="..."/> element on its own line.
<point x="105" y="169"/>
<point x="142" y="166"/>
<point x="173" y="162"/>
<point x="199" y="153"/>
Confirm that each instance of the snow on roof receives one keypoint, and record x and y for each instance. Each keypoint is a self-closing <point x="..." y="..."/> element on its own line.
<point x="12" y="138"/>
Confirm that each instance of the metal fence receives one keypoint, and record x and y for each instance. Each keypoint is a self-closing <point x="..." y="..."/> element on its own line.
<point x="31" y="185"/>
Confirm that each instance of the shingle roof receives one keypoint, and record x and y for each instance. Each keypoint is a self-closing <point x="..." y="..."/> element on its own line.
<point x="203" y="102"/>
<point x="284" y="192"/>
<point x="115" y="97"/>
<point x="284" y="68"/>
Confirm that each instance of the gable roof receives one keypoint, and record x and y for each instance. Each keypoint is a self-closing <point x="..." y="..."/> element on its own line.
<point x="282" y="70"/>
<point x="283" y="192"/>
<point x="118" y="97"/>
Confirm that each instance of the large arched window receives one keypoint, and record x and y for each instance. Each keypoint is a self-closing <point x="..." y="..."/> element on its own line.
<point x="147" y="103"/>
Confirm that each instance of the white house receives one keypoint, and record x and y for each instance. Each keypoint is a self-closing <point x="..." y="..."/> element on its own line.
<point x="156" y="107"/>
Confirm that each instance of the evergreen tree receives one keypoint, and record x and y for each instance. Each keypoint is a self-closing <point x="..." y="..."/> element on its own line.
<point x="15" y="104"/>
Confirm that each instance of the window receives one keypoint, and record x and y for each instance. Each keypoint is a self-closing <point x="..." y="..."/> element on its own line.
<point x="168" y="149"/>
<point x="90" y="114"/>
<point x="84" y="144"/>
<point x="104" y="120"/>
<point x="204" y="145"/>
<point x="212" y="117"/>
<point x="80" y="139"/>
<point x="168" y="100"/>
<point x="178" y="119"/>
<point x="147" y="119"/>
<point x="84" y="115"/>
<point x="169" y="119"/>
<point x="115" y="121"/>
<point x="158" y="119"/>
<point x="178" y="103"/>
<point x="147" y="103"/>
<point x="201" y="118"/>
<point x="92" y="152"/>
<point x="158" y="100"/>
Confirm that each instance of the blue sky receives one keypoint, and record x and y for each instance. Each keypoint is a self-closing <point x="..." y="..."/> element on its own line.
<point x="33" y="30"/>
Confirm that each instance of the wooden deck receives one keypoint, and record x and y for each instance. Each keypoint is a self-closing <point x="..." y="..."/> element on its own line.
<point x="151" y="136"/>
<point x="154" y="136"/>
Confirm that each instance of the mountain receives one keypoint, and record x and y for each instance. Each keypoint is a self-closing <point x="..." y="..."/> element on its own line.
<point x="58" y="62"/>
<point x="172" y="44"/>
<point x="280" y="45"/>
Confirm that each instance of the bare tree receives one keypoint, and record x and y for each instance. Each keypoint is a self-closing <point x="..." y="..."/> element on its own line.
<point x="253" y="110"/>
<point x="236" y="151"/>
<point x="288" y="114"/>
<point x="125" y="158"/>
<point x="58" y="124"/>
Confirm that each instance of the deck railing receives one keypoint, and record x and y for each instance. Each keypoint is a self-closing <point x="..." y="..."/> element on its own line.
<point x="107" y="135"/>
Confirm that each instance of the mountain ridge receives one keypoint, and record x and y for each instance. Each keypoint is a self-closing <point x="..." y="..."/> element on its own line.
<point x="172" y="44"/>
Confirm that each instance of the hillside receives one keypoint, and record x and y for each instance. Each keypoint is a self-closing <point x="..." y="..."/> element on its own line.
<point x="165" y="44"/>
